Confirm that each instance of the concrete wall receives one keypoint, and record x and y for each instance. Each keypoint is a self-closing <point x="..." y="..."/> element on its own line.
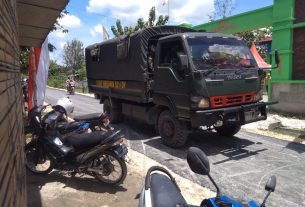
<point x="12" y="170"/>
<point x="291" y="97"/>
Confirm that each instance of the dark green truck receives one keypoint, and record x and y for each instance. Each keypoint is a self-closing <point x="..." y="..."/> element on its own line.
<point x="177" y="79"/>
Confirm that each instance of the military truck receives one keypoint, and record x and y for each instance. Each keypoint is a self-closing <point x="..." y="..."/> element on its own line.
<point x="178" y="80"/>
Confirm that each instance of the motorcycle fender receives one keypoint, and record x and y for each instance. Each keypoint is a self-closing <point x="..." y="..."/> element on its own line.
<point x="121" y="150"/>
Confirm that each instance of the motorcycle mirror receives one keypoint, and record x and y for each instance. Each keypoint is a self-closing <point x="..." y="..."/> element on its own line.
<point x="271" y="183"/>
<point x="198" y="161"/>
<point x="37" y="119"/>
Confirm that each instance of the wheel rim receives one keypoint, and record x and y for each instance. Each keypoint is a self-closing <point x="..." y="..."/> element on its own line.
<point x="168" y="128"/>
<point x="37" y="163"/>
<point x="110" y="168"/>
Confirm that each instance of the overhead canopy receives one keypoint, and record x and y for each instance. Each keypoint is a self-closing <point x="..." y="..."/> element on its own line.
<point x="36" y="18"/>
<point x="260" y="61"/>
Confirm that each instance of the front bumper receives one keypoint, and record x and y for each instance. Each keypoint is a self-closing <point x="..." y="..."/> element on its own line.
<point x="231" y="115"/>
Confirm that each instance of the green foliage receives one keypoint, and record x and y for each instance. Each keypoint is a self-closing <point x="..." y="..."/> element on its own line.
<point x="73" y="55"/>
<point x="54" y="68"/>
<point x="254" y="36"/>
<point x="57" y="81"/>
<point x="118" y="30"/>
<point x="58" y="26"/>
<point x="24" y="54"/>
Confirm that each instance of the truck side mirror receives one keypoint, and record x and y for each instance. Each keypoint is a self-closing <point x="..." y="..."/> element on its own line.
<point x="183" y="62"/>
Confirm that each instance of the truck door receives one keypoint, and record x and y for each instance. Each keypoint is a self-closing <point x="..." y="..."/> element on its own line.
<point x="171" y="84"/>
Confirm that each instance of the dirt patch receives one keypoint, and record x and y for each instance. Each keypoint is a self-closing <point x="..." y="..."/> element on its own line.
<point x="59" y="189"/>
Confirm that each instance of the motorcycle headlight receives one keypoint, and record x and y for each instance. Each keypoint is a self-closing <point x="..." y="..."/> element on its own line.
<point x="200" y="102"/>
<point x="258" y="96"/>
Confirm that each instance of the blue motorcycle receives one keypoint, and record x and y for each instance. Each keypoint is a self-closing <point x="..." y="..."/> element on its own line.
<point x="161" y="189"/>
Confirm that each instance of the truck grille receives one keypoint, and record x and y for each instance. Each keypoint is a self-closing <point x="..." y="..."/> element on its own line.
<point x="231" y="100"/>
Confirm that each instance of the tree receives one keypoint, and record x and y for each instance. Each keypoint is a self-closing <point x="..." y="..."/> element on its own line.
<point x="223" y="8"/>
<point x="73" y="55"/>
<point x="24" y="53"/>
<point x="118" y="30"/>
<point x="254" y="36"/>
<point x="54" y="68"/>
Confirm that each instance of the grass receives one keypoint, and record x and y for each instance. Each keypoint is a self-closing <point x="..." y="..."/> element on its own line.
<point x="82" y="90"/>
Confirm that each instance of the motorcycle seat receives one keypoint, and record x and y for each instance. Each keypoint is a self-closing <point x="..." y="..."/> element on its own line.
<point x="66" y="127"/>
<point x="86" y="140"/>
<point x="164" y="192"/>
<point x="88" y="117"/>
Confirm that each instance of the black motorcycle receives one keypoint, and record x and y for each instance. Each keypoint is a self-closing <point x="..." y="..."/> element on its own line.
<point x="100" y="153"/>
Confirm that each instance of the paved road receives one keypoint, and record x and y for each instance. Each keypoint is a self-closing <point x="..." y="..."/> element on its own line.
<point x="240" y="165"/>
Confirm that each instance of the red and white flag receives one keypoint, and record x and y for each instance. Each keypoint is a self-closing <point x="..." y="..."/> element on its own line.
<point x="39" y="61"/>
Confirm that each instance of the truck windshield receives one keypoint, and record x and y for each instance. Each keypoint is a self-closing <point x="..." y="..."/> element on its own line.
<point x="220" y="53"/>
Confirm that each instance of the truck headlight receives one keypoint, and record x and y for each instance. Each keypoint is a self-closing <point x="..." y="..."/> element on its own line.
<point x="258" y="96"/>
<point x="200" y="102"/>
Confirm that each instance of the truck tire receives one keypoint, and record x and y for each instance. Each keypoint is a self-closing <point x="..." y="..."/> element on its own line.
<point x="114" y="111"/>
<point x="228" y="131"/>
<point x="172" y="131"/>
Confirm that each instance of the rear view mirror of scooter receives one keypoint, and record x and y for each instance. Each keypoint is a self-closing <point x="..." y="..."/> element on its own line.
<point x="199" y="163"/>
<point x="270" y="187"/>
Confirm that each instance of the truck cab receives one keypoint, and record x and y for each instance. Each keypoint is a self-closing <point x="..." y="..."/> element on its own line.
<point x="207" y="79"/>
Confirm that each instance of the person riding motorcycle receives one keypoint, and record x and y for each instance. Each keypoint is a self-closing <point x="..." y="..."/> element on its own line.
<point x="70" y="84"/>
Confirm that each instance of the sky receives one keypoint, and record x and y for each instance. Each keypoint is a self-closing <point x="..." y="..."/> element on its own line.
<point x="86" y="18"/>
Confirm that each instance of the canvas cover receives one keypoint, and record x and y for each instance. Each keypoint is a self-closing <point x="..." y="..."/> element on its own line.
<point x="106" y="65"/>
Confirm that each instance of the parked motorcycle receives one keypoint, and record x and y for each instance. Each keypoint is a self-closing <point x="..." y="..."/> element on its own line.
<point x="80" y="124"/>
<point x="161" y="189"/>
<point x="100" y="153"/>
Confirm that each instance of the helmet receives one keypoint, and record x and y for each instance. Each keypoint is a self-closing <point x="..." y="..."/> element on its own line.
<point x="64" y="105"/>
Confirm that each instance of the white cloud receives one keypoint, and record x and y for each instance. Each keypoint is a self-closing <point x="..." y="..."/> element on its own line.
<point x="193" y="11"/>
<point x="70" y="21"/>
<point x="97" y="30"/>
<point x="57" y="34"/>
<point x="62" y="44"/>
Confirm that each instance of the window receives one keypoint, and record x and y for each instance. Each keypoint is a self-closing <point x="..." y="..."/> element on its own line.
<point x="95" y="54"/>
<point x="169" y="53"/>
<point x="122" y="50"/>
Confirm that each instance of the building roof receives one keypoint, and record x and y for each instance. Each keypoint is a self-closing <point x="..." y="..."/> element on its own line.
<point x="36" y="19"/>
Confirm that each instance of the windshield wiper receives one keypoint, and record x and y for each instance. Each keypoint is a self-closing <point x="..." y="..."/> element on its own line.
<point x="209" y="71"/>
<point x="243" y="68"/>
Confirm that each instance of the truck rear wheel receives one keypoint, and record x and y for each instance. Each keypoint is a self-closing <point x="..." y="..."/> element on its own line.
<point x="172" y="131"/>
<point x="114" y="111"/>
<point x="228" y="130"/>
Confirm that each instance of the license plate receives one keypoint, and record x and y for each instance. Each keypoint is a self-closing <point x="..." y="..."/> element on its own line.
<point x="252" y="114"/>
<point x="121" y="150"/>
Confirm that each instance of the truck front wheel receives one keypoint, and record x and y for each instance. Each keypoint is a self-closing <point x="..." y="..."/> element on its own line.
<point x="114" y="111"/>
<point x="172" y="131"/>
<point x="228" y="130"/>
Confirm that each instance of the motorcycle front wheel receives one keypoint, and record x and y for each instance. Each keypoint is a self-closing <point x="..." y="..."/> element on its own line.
<point x="36" y="160"/>
<point x="112" y="169"/>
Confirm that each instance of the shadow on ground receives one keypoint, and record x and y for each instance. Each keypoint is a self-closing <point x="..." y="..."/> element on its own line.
<point x="233" y="148"/>
<point x="57" y="182"/>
